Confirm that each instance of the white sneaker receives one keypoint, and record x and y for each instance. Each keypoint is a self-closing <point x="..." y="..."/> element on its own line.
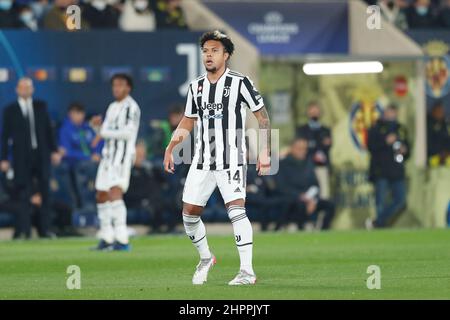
<point x="242" y="278"/>
<point x="201" y="272"/>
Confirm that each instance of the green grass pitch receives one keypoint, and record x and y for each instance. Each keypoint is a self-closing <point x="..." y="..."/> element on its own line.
<point x="415" y="264"/>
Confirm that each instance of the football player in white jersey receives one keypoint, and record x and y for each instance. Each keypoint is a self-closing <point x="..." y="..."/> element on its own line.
<point x="216" y="104"/>
<point x="119" y="130"/>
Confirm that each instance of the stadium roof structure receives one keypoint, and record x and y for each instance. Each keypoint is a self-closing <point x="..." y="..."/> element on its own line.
<point x="388" y="41"/>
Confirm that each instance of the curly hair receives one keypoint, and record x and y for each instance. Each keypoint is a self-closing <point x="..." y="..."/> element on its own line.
<point x="218" y="36"/>
<point x="123" y="76"/>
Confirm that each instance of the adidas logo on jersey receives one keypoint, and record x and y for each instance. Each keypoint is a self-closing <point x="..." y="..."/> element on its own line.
<point x="212" y="106"/>
<point x="237" y="190"/>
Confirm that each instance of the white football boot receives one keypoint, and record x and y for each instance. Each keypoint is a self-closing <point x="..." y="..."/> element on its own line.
<point x="201" y="272"/>
<point x="243" y="278"/>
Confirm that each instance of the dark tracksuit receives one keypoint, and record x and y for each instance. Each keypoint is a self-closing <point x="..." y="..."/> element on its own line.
<point x="296" y="177"/>
<point x="387" y="174"/>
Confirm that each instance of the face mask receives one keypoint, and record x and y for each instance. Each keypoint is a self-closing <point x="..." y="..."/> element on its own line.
<point x="140" y="5"/>
<point x="422" y="10"/>
<point x="100" y="5"/>
<point x="315" y="118"/>
<point x="5" y="4"/>
<point x="27" y="17"/>
<point x="37" y="8"/>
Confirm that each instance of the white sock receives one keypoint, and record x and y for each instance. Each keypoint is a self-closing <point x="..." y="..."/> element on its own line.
<point x="105" y="219"/>
<point x="196" y="231"/>
<point x="243" y="235"/>
<point x="119" y="214"/>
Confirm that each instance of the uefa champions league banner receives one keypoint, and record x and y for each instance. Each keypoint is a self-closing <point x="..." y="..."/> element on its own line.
<point x="289" y="28"/>
<point x="77" y="66"/>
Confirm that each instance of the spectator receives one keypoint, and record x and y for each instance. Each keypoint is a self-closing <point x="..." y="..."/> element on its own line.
<point x="28" y="132"/>
<point x="262" y="203"/>
<point x="146" y="193"/>
<point x="8" y="15"/>
<point x="444" y="15"/>
<point x="101" y="15"/>
<point x="319" y="144"/>
<point x="40" y="8"/>
<point x="169" y="15"/>
<point x="27" y="18"/>
<point x="297" y="183"/>
<point x="389" y="148"/>
<point x="419" y="15"/>
<point x="137" y="16"/>
<point x="77" y="140"/>
<point x="80" y="147"/>
<point x="438" y="136"/>
<point x="162" y="131"/>
<point x="55" y="18"/>
<point x="392" y="12"/>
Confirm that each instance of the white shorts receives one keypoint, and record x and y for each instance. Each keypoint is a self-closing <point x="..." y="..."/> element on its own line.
<point x="200" y="184"/>
<point x="109" y="175"/>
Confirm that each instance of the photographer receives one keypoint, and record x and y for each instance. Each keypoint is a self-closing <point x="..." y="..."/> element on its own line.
<point x="389" y="149"/>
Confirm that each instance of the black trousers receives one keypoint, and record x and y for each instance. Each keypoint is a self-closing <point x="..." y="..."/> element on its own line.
<point x="297" y="213"/>
<point x="37" y="183"/>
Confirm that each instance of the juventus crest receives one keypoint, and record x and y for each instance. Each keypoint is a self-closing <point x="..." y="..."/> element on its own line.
<point x="226" y="91"/>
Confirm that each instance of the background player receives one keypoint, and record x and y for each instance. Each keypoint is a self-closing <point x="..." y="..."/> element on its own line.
<point x="217" y="102"/>
<point x="119" y="130"/>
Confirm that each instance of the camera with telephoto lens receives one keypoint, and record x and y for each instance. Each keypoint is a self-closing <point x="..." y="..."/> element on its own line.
<point x="398" y="156"/>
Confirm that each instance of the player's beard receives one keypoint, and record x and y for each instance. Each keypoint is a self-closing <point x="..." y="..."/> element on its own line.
<point x="212" y="69"/>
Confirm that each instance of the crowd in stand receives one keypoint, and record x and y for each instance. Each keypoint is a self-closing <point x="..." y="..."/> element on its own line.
<point x="415" y="14"/>
<point x="127" y="15"/>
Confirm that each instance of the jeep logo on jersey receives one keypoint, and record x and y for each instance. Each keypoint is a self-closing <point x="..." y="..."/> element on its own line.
<point x="212" y="106"/>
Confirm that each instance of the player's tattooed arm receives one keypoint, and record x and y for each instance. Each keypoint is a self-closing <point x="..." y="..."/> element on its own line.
<point x="263" y="165"/>
<point x="264" y="125"/>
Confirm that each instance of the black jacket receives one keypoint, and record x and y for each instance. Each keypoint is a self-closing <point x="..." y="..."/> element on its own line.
<point x="16" y="135"/>
<point x="295" y="177"/>
<point x="101" y="19"/>
<point x="382" y="160"/>
<point x="417" y="21"/>
<point x="438" y="137"/>
<point x="315" y="139"/>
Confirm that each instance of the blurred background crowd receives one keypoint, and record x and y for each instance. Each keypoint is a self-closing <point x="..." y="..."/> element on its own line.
<point x="127" y="15"/>
<point x="415" y="14"/>
<point x="299" y="193"/>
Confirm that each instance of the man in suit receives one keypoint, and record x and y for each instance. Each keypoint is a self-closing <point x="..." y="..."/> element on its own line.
<point x="27" y="146"/>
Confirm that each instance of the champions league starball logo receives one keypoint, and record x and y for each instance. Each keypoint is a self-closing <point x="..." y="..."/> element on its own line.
<point x="363" y="116"/>
<point x="273" y="29"/>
